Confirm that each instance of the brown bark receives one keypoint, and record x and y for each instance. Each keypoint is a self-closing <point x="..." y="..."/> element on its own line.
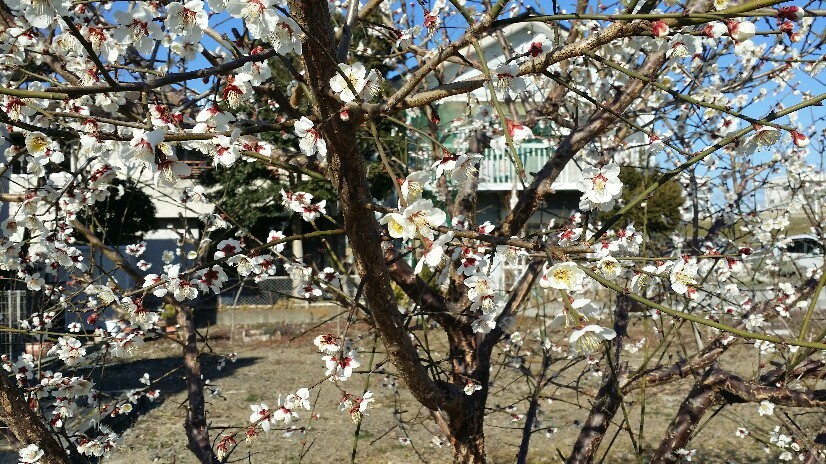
<point x="533" y="408"/>
<point x="467" y="418"/>
<point x="467" y="433"/>
<point x="608" y="398"/>
<point x="348" y="173"/>
<point x="593" y="431"/>
<point x="680" y="369"/>
<point x="197" y="431"/>
<point x="195" y="423"/>
<point x="696" y="404"/>
<point x="26" y="426"/>
<point x="413" y="286"/>
<point x="717" y="386"/>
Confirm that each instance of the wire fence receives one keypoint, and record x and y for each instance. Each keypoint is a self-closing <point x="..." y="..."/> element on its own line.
<point x="272" y="290"/>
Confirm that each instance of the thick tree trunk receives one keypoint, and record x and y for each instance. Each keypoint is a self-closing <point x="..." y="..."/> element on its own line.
<point x="467" y="416"/>
<point x="349" y="176"/>
<point x="468" y="435"/>
<point x="25" y="424"/>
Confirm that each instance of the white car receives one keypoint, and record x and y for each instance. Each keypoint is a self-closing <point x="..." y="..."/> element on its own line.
<point x="802" y="254"/>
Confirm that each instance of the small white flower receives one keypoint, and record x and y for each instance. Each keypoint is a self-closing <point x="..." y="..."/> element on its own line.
<point x="413" y="185"/>
<point x="141" y="149"/>
<point x="355" y="78"/>
<point x="69" y="349"/>
<point x="31" y="454"/>
<point x="261" y="415"/>
<point x="506" y="77"/>
<point x="310" y="141"/>
<point x="766" y="408"/>
<point x="682" y="276"/>
<point x="420" y="217"/>
<point x="587" y="339"/>
<point x="341" y="368"/>
<point x="685" y="454"/>
<point x="37" y="143"/>
<point x="326" y="343"/>
<point x="609" y="267"/>
<point x="136" y="27"/>
<point x="600" y="187"/>
<point x="435" y="254"/>
<point x="471" y="387"/>
<point x="187" y="20"/>
<point x="741" y="31"/>
<point x="485" y="323"/>
<point x="563" y="276"/>
<point x="284" y="36"/>
<point x="257" y="14"/>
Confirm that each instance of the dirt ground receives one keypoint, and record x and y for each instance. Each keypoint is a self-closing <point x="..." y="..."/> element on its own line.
<point x="266" y="369"/>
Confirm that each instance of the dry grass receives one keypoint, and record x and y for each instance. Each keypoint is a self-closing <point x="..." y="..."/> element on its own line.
<point x="266" y="369"/>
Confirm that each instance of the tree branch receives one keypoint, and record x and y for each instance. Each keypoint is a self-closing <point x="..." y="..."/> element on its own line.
<point x="348" y="174"/>
<point x="26" y="425"/>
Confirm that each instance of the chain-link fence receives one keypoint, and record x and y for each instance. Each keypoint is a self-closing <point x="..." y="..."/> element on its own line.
<point x="272" y="290"/>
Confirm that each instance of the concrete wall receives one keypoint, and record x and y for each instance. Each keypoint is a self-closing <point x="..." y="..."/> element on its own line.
<point x="294" y="314"/>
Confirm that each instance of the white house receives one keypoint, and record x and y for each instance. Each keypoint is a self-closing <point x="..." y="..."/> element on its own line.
<point x="499" y="183"/>
<point x="174" y="219"/>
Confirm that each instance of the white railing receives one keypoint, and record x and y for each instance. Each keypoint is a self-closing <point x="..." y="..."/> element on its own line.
<point x="497" y="170"/>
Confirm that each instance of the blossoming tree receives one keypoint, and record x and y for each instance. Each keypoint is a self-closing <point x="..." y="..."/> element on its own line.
<point x="717" y="95"/>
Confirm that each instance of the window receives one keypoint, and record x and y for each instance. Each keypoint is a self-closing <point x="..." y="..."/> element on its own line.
<point x="805" y="246"/>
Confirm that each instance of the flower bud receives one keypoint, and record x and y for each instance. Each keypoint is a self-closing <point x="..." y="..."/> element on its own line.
<point x="792" y="13"/>
<point x="535" y="49"/>
<point x="741" y="31"/>
<point x="715" y="30"/>
<point x="800" y="140"/>
<point x="659" y="29"/>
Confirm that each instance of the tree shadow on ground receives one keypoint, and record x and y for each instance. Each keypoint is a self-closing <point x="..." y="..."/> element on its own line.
<point x="120" y="376"/>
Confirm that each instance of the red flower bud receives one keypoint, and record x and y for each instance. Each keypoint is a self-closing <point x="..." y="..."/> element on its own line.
<point x="799" y="139"/>
<point x="659" y="29"/>
<point x="792" y="13"/>
<point x="536" y="49"/>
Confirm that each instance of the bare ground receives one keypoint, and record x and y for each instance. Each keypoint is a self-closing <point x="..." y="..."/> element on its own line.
<point x="266" y="369"/>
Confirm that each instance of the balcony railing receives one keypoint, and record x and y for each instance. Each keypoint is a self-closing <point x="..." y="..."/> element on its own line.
<point x="497" y="170"/>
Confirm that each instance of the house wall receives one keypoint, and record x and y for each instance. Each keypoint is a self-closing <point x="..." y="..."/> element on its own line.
<point x="171" y="213"/>
<point x="518" y="37"/>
